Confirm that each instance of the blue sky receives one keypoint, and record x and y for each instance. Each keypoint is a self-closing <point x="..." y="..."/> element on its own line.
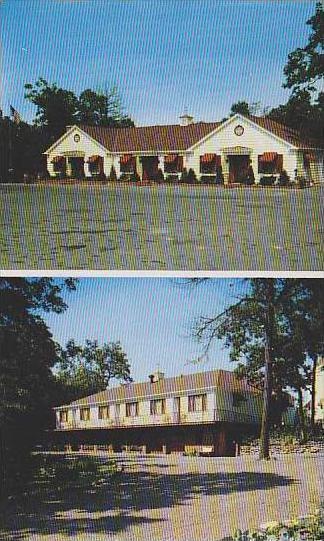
<point x="152" y="318"/>
<point x="164" y="55"/>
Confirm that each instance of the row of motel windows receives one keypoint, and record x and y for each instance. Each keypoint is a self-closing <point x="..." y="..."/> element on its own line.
<point x="268" y="163"/>
<point x="196" y="403"/>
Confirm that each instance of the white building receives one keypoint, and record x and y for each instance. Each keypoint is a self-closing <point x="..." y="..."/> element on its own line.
<point x="205" y="412"/>
<point x="217" y="151"/>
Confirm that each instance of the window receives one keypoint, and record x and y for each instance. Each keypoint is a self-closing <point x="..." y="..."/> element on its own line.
<point x="157" y="407"/>
<point x="64" y="414"/>
<point x="131" y="409"/>
<point x="85" y="414"/>
<point x="103" y="412"/>
<point x="59" y="164"/>
<point x="173" y="163"/>
<point x="209" y="164"/>
<point x="127" y="163"/>
<point x="95" y="165"/>
<point x="238" y="399"/>
<point x="197" y="402"/>
<point x="270" y="163"/>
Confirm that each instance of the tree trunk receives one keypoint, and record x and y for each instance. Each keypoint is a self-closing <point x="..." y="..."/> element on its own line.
<point x="302" y="435"/>
<point x="264" y="452"/>
<point x="313" y="397"/>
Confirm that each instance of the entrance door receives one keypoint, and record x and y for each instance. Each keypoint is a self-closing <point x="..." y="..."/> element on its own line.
<point x="238" y="168"/>
<point x="77" y="167"/>
<point x="150" y="165"/>
<point x="176" y="409"/>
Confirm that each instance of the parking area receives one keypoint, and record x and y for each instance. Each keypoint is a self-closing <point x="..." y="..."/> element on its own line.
<point x="173" y="498"/>
<point x="161" y="227"/>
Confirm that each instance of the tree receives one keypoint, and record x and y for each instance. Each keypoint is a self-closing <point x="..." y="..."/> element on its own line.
<point x="302" y="114"/>
<point x="305" y="66"/>
<point x="241" y="107"/>
<point x="266" y="335"/>
<point x="84" y="370"/>
<point x="27" y="354"/>
<point x="56" y="107"/>
<point x="304" y="110"/>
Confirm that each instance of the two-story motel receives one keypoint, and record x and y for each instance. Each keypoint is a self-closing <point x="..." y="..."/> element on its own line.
<point x="205" y="411"/>
<point x="213" y="150"/>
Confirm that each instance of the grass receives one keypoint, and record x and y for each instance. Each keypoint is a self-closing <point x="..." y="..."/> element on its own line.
<point x="161" y="227"/>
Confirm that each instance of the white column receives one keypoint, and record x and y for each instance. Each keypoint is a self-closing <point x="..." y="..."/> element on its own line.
<point x="161" y="163"/>
<point x="116" y="165"/>
<point x="225" y="167"/>
<point x="87" y="167"/>
<point x="254" y="160"/>
<point x="50" y="166"/>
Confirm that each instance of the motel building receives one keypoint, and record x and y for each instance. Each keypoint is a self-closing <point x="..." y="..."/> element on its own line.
<point x="219" y="152"/>
<point x="205" y="413"/>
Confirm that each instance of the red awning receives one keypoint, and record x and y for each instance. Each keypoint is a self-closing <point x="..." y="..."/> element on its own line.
<point x="208" y="158"/>
<point x="309" y="156"/>
<point x="94" y="158"/>
<point x="268" y="156"/>
<point x="170" y="158"/>
<point x="58" y="159"/>
<point x="126" y="158"/>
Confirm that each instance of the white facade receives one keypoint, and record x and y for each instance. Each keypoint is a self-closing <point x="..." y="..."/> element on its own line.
<point x="219" y="406"/>
<point x="238" y="136"/>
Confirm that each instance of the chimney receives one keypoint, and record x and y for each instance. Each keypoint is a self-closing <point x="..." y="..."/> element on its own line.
<point x="186" y="119"/>
<point x="156" y="376"/>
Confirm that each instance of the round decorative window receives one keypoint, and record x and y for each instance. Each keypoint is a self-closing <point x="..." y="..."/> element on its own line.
<point x="76" y="138"/>
<point x="238" y="130"/>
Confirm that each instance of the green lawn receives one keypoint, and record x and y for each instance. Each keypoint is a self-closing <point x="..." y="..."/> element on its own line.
<point x="161" y="228"/>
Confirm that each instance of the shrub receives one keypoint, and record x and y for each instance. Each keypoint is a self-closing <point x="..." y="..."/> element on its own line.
<point x="134" y="177"/>
<point x="172" y="178"/>
<point x="159" y="176"/>
<point x="191" y="178"/>
<point x="184" y="176"/>
<point x="112" y="175"/>
<point x="284" y="178"/>
<point x="124" y="177"/>
<point x="208" y="179"/>
<point x="219" y="175"/>
<point x="302" y="182"/>
<point x="267" y="181"/>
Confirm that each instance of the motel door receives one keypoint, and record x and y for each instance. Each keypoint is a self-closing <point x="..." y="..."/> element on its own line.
<point x="238" y="167"/>
<point x="117" y="412"/>
<point x="176" y="409"/>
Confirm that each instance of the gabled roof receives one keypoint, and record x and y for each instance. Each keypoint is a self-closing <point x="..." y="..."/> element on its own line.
<point x="168" y="386"/>
<point x="177" y="138"/>
<point x="284" y="132"/>
<point x="150" y="138"/>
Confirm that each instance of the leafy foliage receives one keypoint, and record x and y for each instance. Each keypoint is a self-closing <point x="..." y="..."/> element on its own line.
<point x="27" y="354"/>
<point x="88" y="369"/>
<point x="305" y="66"/>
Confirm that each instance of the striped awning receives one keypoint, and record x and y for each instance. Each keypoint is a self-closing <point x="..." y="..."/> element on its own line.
<point x="310" y="156"/>
<point x="207" y="158"/>
<point x="126" y="158"/>
<point x="93" y="159"/>
<point x="268" y="156"/>
<point x="170" y="158"/>
<point x="58" y="159"/>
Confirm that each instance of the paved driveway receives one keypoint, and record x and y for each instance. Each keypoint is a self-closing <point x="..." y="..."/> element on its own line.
<point x="161" y="227"/>
<point x="175" y="498"/>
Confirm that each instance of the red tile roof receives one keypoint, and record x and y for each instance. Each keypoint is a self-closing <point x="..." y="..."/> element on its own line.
<point x="284" y="132"/>
<point x="167" y="386"/>
<point x="170" y="138"/>
<point x="151" y="138"/>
